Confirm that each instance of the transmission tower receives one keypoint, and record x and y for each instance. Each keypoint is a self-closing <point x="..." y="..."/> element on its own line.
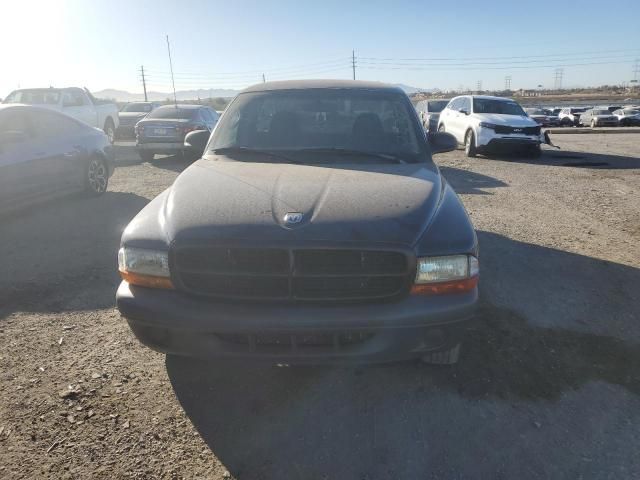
<point x="557" y="83"/>
<point x="479" y="86"/>
<point x="636" y="69"/>
<point x="507" y="83"/>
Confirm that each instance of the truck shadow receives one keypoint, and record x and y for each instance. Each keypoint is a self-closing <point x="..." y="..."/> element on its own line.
<point x="375" y="421"/>
<point x="468" y="182"/>
<point x="567" y="158"/>
<point x="39" y="272"/>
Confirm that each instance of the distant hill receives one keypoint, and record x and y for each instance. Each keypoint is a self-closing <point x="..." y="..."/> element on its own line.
<point x="181" y="95"/>
<point x="409" y="90"/>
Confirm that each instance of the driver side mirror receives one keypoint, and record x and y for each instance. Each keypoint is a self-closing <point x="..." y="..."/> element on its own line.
<point x="464" y="110"/>
<point x="197" y="140"/>
<point x="441" y="142"/>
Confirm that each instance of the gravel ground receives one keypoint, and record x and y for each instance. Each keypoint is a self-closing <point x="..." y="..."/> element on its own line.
<point x="548" y="385"/>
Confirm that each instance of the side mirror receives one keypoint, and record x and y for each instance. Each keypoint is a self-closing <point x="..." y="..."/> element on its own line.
<point x="197" y="141"/>
<point x="463" y="110"/>
<point x="441" y="142"/>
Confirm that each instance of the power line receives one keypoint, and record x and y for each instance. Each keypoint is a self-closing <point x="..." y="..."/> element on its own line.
<point x="507" y="67"/>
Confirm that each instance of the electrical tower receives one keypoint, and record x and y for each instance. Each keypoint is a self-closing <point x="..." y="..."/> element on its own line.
<point x="636" y="69"/>
<point x="557" y="82"/>
<point x="479" y="86"/>
<point x="507" y="83"/>
<point x="144" y="82"/>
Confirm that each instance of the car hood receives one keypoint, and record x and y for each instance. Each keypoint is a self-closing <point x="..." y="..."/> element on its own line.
<point x="222" y="201"/>
<point x="131" y="114"/>
<point x="509" y="120"/>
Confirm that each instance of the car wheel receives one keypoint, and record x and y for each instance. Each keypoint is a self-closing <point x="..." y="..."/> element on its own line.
<point x="534" y="151"/>
<point x="470" y="144"/>
<point x="110" y="130"/>
<point x="96" y="178"/>
<point x="566" y="122"/>
<point x="444" y="357"/>
<point x="146" y="156"/>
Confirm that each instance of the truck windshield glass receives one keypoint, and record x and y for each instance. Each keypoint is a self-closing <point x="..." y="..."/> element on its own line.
<point x="44" y="96"/>
<point x="173" y="113"/>
<point x="137" y="107"/>
<point x="488" y="105"/>
<point x="303" y="121"/>
<point x="436" y="106"/>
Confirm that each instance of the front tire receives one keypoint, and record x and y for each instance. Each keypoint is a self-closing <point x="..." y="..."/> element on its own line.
<point x="96" y="178"/>
<point x="470" y="144"/>
<point x="110" y="130"/>
<point x="445" y="357"/>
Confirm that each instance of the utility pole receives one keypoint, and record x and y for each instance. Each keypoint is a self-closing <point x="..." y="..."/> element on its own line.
<point x="557" y="83"/>
<point x="263" y="79"/>
<point x="144" y="83"/>
<point x="507" y="83"/>
<point x="353" y="63"/>
<point x="173" y="83"/>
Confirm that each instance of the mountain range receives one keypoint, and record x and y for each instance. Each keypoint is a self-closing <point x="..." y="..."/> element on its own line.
<point x="182" y="95"/>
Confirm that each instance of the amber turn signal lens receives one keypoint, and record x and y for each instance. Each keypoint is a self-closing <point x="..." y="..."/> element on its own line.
<point x="442" y="288"/>
<point x="146" y="280"/>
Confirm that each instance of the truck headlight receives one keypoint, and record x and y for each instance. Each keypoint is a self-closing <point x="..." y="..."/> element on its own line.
<point x="491" y="126"/>
<point x="147" y="268"/>
<point x="449" y="274"/>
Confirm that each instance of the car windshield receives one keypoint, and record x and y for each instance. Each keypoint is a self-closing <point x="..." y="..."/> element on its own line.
<point x="578" y="110"/>
<point x="536" y="111"/>
<point x="488" y="105"/>
<point x="436" y="106"/>
<point x="42" y="96"/>
<point x="171" y="112"/>
<point x="601" y="112"/>
<point x="137" y="107"/>
<point x="324" y="120"/>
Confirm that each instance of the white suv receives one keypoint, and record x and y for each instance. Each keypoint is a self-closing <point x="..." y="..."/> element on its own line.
<point x="481" y="122"/>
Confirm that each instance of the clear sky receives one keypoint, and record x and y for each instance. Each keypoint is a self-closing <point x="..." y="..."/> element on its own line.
<point x="228" y="44"/>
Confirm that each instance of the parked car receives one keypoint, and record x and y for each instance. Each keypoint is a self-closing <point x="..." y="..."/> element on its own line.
<point x="628" y="117"/>
<point x="552" y="117"/>
<point x="542" y="117"/>
<point x="598" y="118"/>
<point x="316" y="228"/>
<point x="130" y="114"/>
<point x="613" y="108"/>
<point x="429" y="112"/>
<point x="75" y="102"/>
<point x="163" y="130"/>
<point x="44" y="153"/>
<point x="554" y="110"/>
<point x="482" y="123"/>
<point x="570" y="116"/>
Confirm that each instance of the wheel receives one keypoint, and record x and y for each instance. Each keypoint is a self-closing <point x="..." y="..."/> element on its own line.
<point x="565" y="122"/>
<point x="97" y="177"/>
<point x="470" y="144"/>
<point x="146" y="156"/>
<point x="110" y="130"/>
<point x="444" y="357"/>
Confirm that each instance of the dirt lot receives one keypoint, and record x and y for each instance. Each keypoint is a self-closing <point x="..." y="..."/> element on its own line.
<point x="548" y="385"/>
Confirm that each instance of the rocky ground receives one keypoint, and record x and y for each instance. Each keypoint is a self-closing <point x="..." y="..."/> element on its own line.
<point x="548" y="385"/>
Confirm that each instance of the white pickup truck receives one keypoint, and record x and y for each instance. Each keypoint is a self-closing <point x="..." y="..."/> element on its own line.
<point x="75" y="102"/>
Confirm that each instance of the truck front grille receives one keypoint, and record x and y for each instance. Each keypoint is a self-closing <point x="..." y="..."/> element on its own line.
<point x="273" y="274"/>
<point x="506" y="130"/>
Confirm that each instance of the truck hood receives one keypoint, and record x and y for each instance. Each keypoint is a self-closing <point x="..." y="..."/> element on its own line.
<point x="508" y="120"/>
<point x="222" y="201"/>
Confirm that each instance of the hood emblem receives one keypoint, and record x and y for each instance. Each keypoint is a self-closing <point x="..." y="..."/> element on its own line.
<point x="293" y="218"/>
<point x="517" y="129"/>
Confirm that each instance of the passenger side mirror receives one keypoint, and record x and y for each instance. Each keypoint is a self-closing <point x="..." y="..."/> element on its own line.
<point x="197" y="141"/>
<point x="464" y="110"/>
<point x="441" y="142"/>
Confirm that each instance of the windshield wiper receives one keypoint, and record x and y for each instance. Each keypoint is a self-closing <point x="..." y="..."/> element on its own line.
<point x="256" y="151"/>
<point x="360" y="153"/>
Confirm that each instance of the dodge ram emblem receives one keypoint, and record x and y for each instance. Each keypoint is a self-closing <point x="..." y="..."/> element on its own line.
<point x="292" y="218"/>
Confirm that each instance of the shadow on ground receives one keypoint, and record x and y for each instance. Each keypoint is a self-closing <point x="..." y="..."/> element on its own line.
<point x="406" y="420"/>
<point x="468" y="182"/>
<point x="568" y="158"/>
<point x="38" y="271"/>
<point x="127" y="155"/>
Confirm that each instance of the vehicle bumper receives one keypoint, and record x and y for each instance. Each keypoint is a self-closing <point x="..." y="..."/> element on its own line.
<point x="174" y="323"/>
<point x="161" y="147"/>
<point x="490" y="140"/>
<point x="126" y="131"/>
<point x="606" y="123"/>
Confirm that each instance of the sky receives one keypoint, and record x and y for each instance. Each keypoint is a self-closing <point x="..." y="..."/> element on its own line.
<point x="230" y="44"/>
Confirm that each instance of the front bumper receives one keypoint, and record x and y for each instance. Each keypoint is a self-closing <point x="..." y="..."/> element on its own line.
<point x="606" y="123"/>
<point x="488" y="138"/>
<point x="175" y="323"/>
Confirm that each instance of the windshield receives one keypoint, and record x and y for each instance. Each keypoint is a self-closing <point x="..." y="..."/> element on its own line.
<point x="488" y="105"/>
<point x="578" y="110"/>
<point x="171" y="112"/>
<point x="536" y="111"/>
<point x="297" y="120"/>
<point x="43" y="96"/>
<point x="436" y="106"/>
<point x="601" y="112"/>
<point x="137" y="107"/>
